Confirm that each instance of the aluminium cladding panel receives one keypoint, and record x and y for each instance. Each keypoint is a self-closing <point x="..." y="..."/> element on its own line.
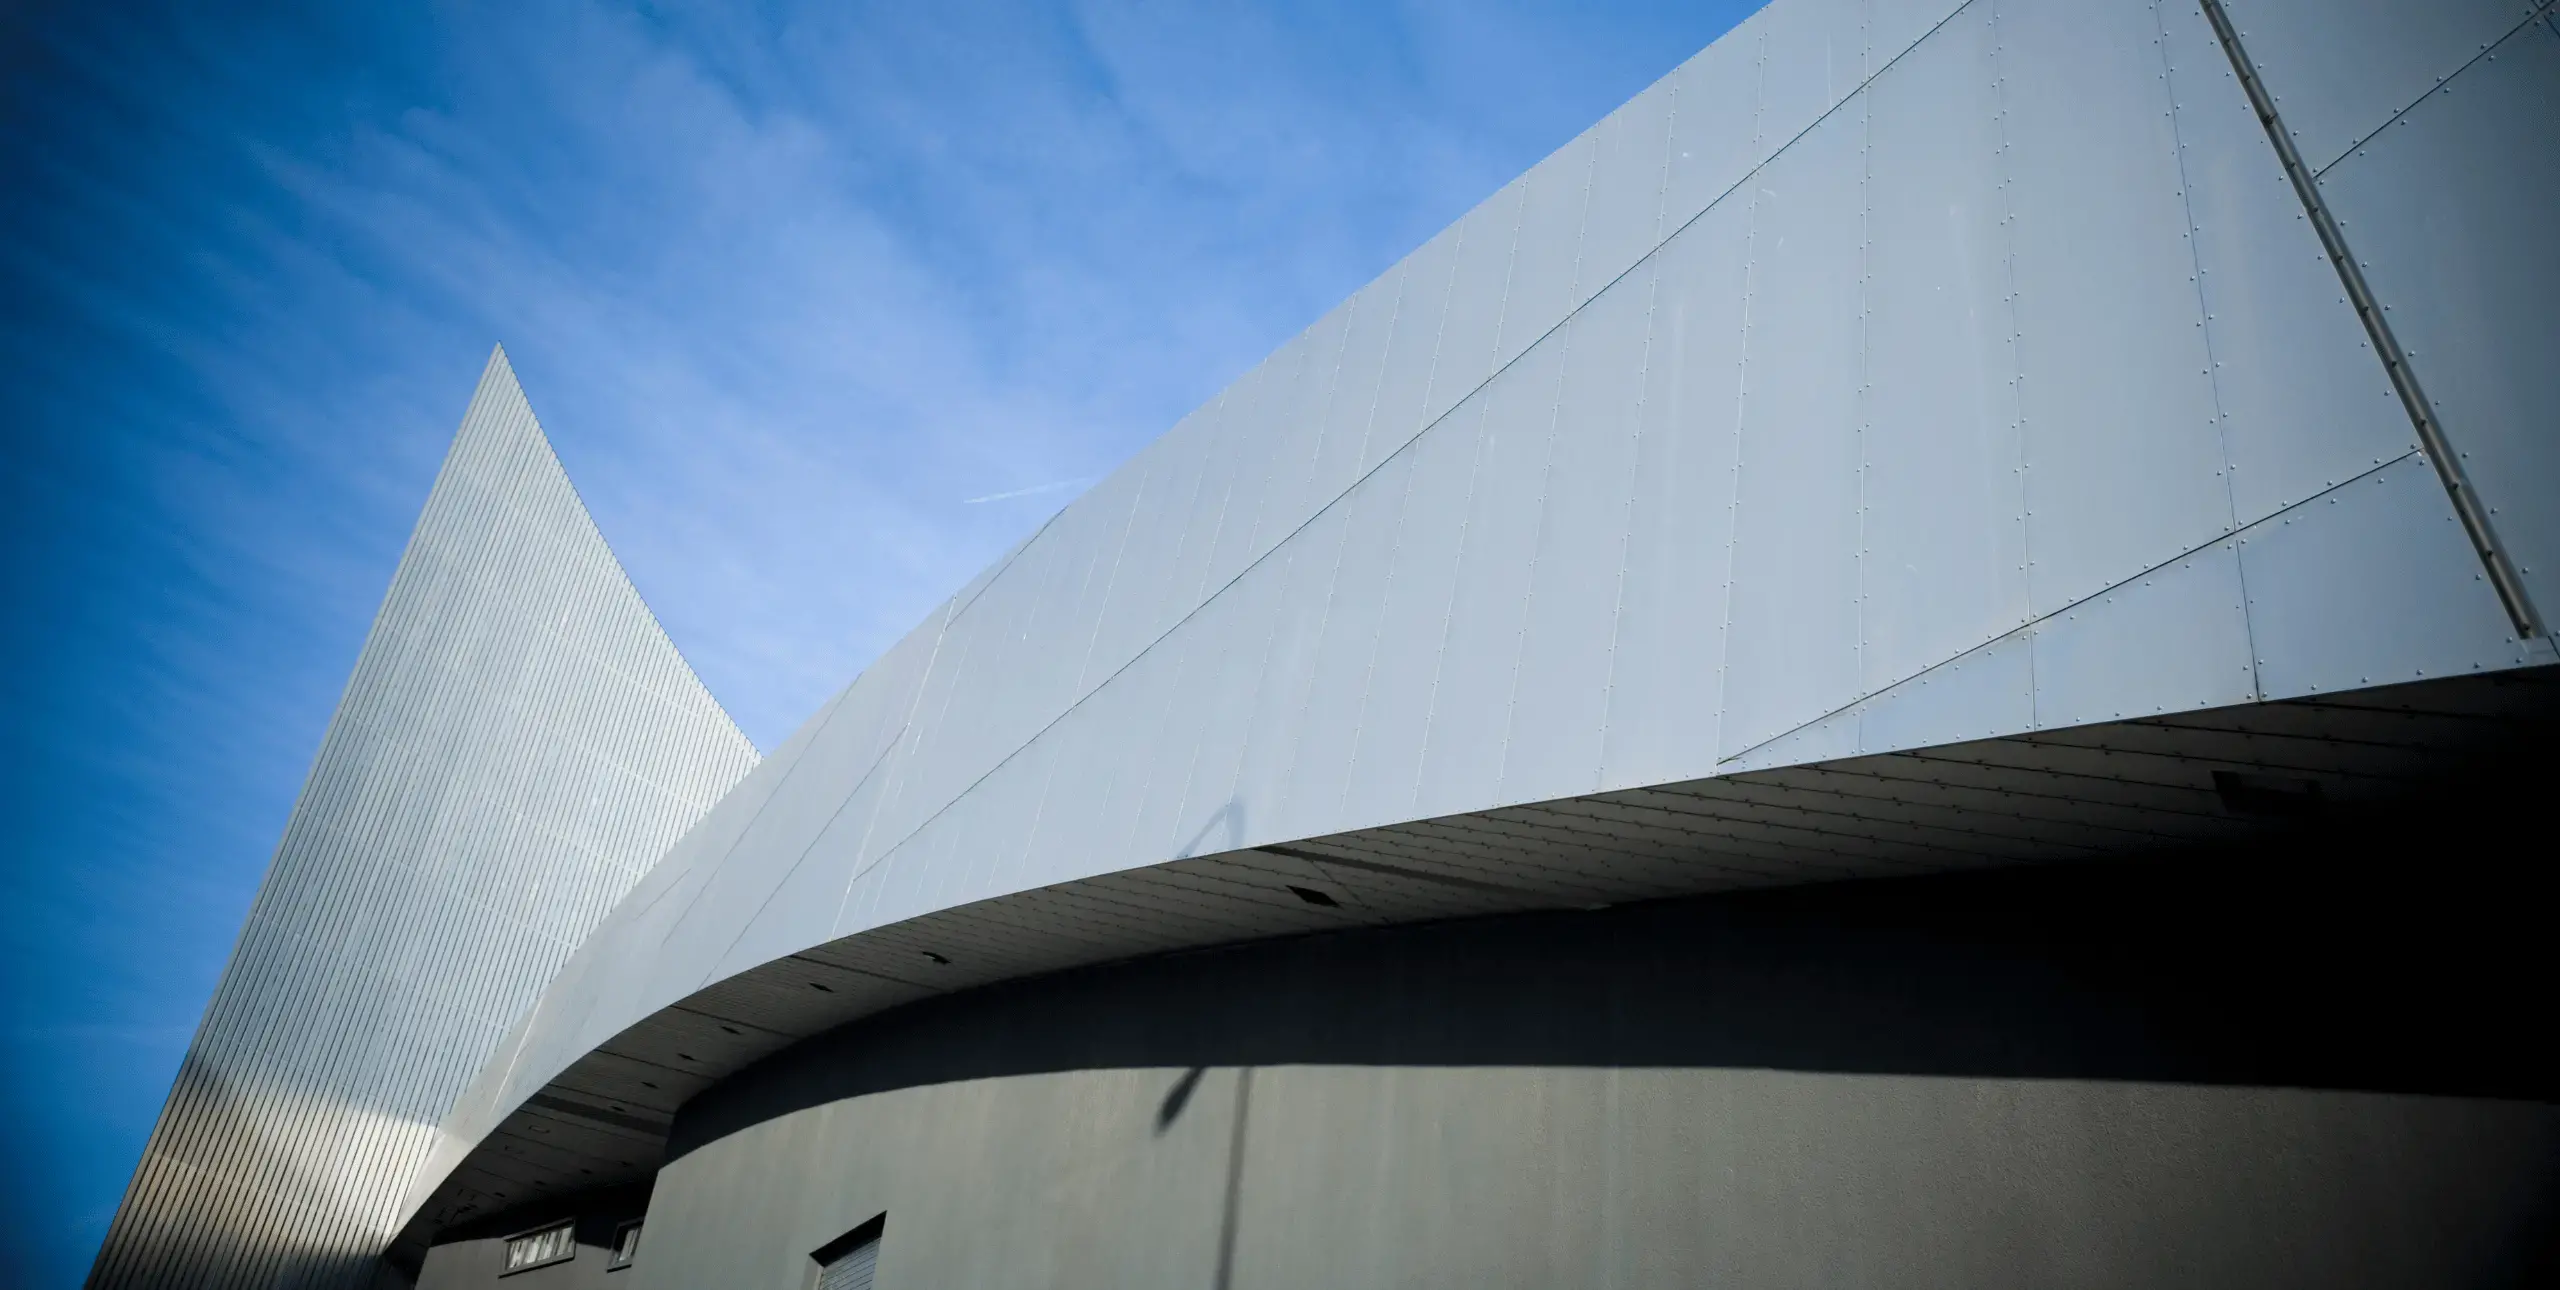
<point x="1208" y="815"/>
<point x="1477" y="644"/>
<point x="2449" y="211"/>
<point x="1212" y="665"/>
<point x="1996" y="278"/>
<point x="1715" y="138"/>
<point x="738" y="885"/>
<point x="981" y="694"/>
<point x="1404" y="378"/>
<point x="1464" y="305"/>
<point x="517" y="742"/>
<point x="1462" y="356"/>
<point x="1422" y="563"/>
<point x="2124" y="464"/>
<point x="1160" y="750"/>
<point x="1546" y="254"/>
<point x="803" y="886"/>
<point x="1667" y="657"/>
<point x="798" y="901"/>
<point x="1342" y="454"/>
<point x="1319" y="775"/>
<point x="2365" y="584"/>
<point x="593" y="988"/>
<point x="1622" y="219"/>
<point x="2371" y="583"/>
<point x="1278" y="410"/>
<point x="1982" y="692"/>
<point x="1142" y="597"/>
<point x="1303" y="472"/>
<point x="597" y="983"/>
<point x="782" y="870"/>
<point x="1791" y="645"/>
<point x="1285" y="695"/>
<point x="1942" y="484"/>
<point x="1558" y="692"/>
<point x="1081" y="792"/>
<point x="2173" y="638"/>
<point x="2340" y="69"/>
<point x="2305" y="403"/>
<point x="2302" y="403"/>
<point x="1029" y="669"/>
<point x="1748" y="95"/>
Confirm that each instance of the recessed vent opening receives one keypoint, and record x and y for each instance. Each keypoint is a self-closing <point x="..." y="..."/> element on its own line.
<point x="850" y="1261"/>
<point x="626" y="1246"/>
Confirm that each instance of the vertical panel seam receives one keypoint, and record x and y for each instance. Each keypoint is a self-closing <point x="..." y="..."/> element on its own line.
<point x="2204" y="324"/>
<point x="1741" y="382"/>
<point x="2017" y="408"/>
<point x="1449" y="612"/>
<point x="1546" y="482"/>
<point x="1866" y="279"/>
<point x="1627" y="525"/>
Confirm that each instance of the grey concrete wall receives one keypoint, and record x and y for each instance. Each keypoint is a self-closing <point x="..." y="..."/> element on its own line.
<point x="480" y="1261"/>
<point x="2085" y="1076"/>
<point x="1522" y="1176"/>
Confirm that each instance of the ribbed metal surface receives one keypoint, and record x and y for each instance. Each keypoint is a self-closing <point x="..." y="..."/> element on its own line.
<point x="518" y="743"/>
<point x="853" y="1270"/>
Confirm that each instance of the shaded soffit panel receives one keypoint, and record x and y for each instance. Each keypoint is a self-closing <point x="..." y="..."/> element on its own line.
<point x="518" y="742"/>
<point x="1921" y="376"/>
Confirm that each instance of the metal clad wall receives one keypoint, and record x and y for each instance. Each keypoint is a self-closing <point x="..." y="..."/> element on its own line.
<point x="519" y="741"/>
<point x="1943" y="506"/>
<point x="1893" y="373"/>
<point x="1791" y="648"/>
<point x="2304" y="403"/>
<point x="2467" y="283"/>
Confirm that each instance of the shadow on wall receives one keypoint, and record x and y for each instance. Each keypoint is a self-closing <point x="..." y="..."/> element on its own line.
<point x="2397" y="952"/>
<point x="475" y="1254"/>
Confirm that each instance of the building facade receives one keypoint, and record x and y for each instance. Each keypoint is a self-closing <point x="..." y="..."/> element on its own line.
<point x="1913" y="661"/>
<point x="518" y="743"/>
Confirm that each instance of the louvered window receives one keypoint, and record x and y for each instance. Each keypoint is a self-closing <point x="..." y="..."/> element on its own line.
<point x="626" y="1247"/>
<point x="852" y="1271"/>
<point x="847" y="1262"/>
<point x="553" y="1244"/>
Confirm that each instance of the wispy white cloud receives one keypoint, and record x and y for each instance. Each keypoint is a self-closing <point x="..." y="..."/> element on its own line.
<point x="792" y="287"/>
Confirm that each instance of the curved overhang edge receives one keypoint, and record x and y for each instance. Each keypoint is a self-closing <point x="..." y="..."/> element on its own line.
<point x="2295" y="622"/>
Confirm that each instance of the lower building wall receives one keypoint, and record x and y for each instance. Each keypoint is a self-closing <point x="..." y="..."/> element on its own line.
<point x="476" y="1258"/>
<point x="2306" y="1061"/>
<point x="1368" y="1176"/>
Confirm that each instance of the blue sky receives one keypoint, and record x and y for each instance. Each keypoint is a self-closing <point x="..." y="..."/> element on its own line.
<point x="823" y="305"/>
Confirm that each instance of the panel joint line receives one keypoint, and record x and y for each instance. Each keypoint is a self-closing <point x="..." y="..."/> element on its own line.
<point x="2467" y="505"/>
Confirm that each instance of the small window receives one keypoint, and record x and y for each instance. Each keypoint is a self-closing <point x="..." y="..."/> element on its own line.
<point x="626" y="1246"/>
<point x="847" y="1262"/>
<point x="541" y="1248"/>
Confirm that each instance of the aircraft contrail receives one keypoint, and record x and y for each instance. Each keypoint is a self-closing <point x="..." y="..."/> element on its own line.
<point x="1050" y="487"/>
